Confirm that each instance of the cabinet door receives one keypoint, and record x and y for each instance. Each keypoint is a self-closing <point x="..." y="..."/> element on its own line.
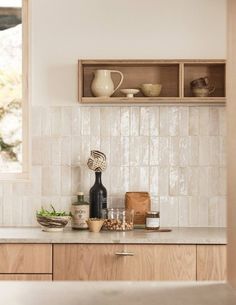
<point x="211" y="263"/>
<point x="124" y="262"/>
<point x="25" y="277"/>
<point x="25" y="258"/>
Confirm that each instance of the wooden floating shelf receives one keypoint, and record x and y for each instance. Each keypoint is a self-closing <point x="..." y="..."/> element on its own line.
<point x="174" y="75"/>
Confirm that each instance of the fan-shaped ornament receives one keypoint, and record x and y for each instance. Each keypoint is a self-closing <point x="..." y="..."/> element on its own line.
<point x="97" y="161"/>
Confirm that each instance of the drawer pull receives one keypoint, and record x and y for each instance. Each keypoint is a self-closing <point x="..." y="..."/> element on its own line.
<point x="124" y="253"/>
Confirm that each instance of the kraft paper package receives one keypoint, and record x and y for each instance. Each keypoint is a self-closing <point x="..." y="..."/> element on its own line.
<point x="140" y="202"/>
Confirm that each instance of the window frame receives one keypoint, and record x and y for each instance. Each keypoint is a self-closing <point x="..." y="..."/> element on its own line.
<point x="26" y="147"/>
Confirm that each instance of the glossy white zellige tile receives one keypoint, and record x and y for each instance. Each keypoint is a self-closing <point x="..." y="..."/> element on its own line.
<point x="124" y="182"/>
<point x="193" y="178"/>
<point x="75" y="121"/>
<point x="85" y="149"/>
<point x="214" y="151"/>
<point x="174" y="181"/>
<point x="37" y="150"/>
<point x="46" y="121"/>
<point x="65" y="151"/>
<point x="214" y="181"/>
<point x="56" y="121"/>
<point x="95" y="142"/>
<point x="155" y="203"/>
<point x="134" y="174"/>
<point x="203" y="203"/>
<point x="204" y="121"/>
<point x="56" y="151"/>
<point x="213" y="212"/>
<point x="183" y="121"/>
<point x="144" y="180"/>
<point x="105" y="145"/>
<point x="35" y="185"/>
<point x="125" y="121"/>
<point x="46" y="151"/>
<point x="164" y="121"/>
<point x="51" y="180"/>
<point x="85" y="121"/>
<point x="193" y="211"/>
<point x="183" y="211"/>
<point x="115" y="157"/>
<point x="144" y="150"/>
<point x="222" y="181"/>
<point x="169" y="211"/>
<point x="174" y="151"/>
<point x="95" y="121"/>
<point x="163" y="181"/>
<point x="144" y="121"/>
<point x="183" y="180"/>
<point x="154" y="180"/>
<point x="66" y="119"/>
<point x="115" y="121"/>
<point x="124" y="157"/>
<point x="105" y="117"/>
<point x="173" y="118"/>
<point x="204" y="150"/>
<point x="213" y="121"/>
<point x="193" y="151"/>
<point x="222" y="122"/>
<point x="154" y="150"/>
<point x="184" y="151"/>
<point x="134" y="153"/>
<point x="164" y="151"/>
<point x="76" y="179"/>
<point x="76" y="150"/>
<point x="193" y="121"/>
<point x="65" y="180"/>
<point x="203" y="181"/>
<point x="222" y="201"/>
<point x="222" y="143"/>
<point x="154" y="116"/>
<point x="134" y="121"/>
<point x="36" y="118"/>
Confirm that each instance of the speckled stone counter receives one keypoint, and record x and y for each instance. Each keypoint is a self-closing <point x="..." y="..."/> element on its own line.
<point x="116" y="293"/>
<point x="177" y="236"/>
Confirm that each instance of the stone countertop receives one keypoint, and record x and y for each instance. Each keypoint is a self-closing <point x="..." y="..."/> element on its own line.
<point x="116" y="293"/>
<point x="138" y="236"/>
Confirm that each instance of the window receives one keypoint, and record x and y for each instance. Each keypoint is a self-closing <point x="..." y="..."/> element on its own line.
<point x="14" y="159"/>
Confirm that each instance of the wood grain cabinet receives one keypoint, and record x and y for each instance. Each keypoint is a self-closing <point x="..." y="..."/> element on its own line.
<point x="211" y="262"/>
<point x="124" y="262"/>
<point x="25" y="259"/>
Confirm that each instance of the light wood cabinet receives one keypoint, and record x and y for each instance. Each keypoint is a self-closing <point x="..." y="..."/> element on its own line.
<point x="25" y="258"/>
<point x="25" y="277"/>
<point x="174" y="75"/>
<point x="124" y="262"/>
<point x="211" y="262"/>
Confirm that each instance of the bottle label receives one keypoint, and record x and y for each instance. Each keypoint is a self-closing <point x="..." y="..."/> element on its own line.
<point x="152" y="222"/>
<point x="80" y="214"/>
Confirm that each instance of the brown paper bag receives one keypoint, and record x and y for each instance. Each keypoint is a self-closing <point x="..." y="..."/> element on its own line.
<point x="140" y="202"/>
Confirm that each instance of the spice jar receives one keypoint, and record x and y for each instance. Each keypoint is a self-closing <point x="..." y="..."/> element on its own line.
<point x="152" y="220"/>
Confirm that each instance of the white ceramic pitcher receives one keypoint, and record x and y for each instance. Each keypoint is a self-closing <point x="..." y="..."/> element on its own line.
<point x="102" y="85"/>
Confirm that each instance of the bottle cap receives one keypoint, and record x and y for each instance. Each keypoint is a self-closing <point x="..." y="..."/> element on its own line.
<point x="80" y="193"/>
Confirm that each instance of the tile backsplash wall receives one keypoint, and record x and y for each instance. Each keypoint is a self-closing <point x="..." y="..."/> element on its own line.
<point x="175" y="153"/>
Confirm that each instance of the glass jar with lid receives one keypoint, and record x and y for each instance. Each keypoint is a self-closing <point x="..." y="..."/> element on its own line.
<point x="152" y="220"/>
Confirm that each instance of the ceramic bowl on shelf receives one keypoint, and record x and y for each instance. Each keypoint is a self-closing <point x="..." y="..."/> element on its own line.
<point x="129" y="92"/>
<point x="151" y="90"/>
<point x="53" y="223"/>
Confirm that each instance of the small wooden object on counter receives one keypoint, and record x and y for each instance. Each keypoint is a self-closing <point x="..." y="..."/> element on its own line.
<point x="95" y="224"/>
<point x="140" y="203"/>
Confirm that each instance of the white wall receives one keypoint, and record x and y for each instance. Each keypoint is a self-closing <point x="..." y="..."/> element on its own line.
<point x="65" y="30"/>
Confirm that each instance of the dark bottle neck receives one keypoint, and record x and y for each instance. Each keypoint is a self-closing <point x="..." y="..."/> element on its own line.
<point x="98" y="176"/>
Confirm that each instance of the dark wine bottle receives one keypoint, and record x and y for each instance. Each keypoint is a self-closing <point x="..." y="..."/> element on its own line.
<point x="97" y="197"/>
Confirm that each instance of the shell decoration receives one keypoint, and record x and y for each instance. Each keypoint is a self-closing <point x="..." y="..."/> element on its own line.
<point x="97" y="161"/>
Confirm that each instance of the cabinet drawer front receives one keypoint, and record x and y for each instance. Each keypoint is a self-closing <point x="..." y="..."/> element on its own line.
<point x="211" y="262"/>
<point x="25" y="258"/>
<point x="25" y="277"/>
<point x="124" y="262"/>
